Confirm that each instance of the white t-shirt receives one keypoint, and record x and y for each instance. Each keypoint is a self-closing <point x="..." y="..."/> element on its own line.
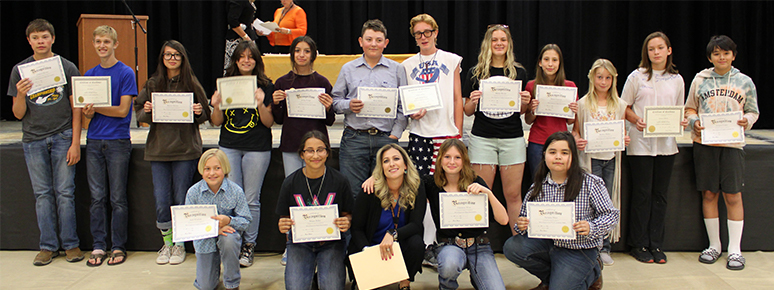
<point x="436" y="68"/>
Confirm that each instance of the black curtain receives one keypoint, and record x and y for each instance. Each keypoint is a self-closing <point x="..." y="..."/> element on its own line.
<point x="585" y="30"/>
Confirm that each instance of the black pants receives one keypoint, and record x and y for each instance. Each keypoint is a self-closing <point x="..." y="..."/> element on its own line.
<point x="650" y="184"/>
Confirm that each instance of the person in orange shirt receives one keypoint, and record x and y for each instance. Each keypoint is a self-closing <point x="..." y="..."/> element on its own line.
<point x="291" y="20"/>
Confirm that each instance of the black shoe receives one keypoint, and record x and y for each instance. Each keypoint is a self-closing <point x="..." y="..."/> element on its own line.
<point x="658" y="256"/>
<point x="246" y="255"/>
<point x="642" y="255"/>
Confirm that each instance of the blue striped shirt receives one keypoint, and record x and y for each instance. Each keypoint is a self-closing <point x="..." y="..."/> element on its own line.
<point x="230" y="200"/>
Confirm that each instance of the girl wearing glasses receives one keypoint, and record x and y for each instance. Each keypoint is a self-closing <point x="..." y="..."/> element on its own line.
<point x="173" y="149"/>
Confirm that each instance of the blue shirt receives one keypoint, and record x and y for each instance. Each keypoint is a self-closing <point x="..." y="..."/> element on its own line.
<point x="230" y="200"/>
<point x="386" y="73"/>
<point x="122" y="83"/>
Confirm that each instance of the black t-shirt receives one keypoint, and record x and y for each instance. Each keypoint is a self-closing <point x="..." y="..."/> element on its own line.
<point x="334" y="184"/>
<point x="242" y="128"/>
<point x="432" y="191"/>
<point x="494" y="125"/>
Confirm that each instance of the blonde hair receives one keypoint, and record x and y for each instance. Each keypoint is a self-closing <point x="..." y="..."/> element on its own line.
<point x="481" y="70"/>
<point x="612" y="95"/>
<point x="411" y="180"/>
<point x="467" y="175"/>
<point x="220" y="155"/>
<point x="426" y="18"/>
<point x="105" y="30"/>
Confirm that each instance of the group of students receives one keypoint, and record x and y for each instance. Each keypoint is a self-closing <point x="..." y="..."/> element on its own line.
<point x="384" y="193"/>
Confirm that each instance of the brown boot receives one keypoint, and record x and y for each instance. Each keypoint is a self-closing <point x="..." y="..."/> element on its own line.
<point x="44" y="257"/>
<point x="597" y="284"/>
<point x="74" y="255"/>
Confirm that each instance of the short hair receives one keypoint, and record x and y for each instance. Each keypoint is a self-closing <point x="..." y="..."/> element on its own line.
<point x="312" y="47"/>
<point x="220" y="155"/>
<point x="426" y="18"/>
<point x="720" y="41"/>
<point x="40" y="25"/>
<point x="375" y="25"/>
<point x="317" y="135"/>
<point x="105" y="30"/>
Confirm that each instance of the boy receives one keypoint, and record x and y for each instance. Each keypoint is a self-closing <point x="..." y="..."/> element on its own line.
<point x="109" y="147"/>
<point x="52" y="147"/>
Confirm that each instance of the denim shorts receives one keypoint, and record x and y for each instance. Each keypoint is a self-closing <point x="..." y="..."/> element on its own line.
<point x="499" y="151"/>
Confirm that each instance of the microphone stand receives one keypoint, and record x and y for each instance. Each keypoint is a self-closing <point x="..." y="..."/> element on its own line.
<point x="135" y="23"/>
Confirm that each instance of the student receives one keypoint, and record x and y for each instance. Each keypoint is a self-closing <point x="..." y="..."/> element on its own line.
<point x="655" y="83"/>
<point x="497" y="138"/>
<point x="172" y="148"/>
<point x="109" y="149"/>
<point x="549" y="71"/>
<point x="233" y="218"/>
<point x="564" y="264"/>
<point x="601" y="103"/>
<point x="52" y="147"/>
<point x="362" y="136"/>
<point x="720" y="167"/>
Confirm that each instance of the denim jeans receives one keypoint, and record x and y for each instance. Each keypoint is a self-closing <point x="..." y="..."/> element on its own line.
<point x="559" y="268"/>
<point x="534" y="157"/>
<point x="208" y="264"/>
<point x="248" y="169"/>
<point x="53" y="184"/>
<point x="171" y="180"/>
<point x="107" y="162"/>
<point x="606" y="170"/>
<point x="303" y="258"/>
<point x="478" y="259"/>
<point x="357" y="155"/>
<point x="291" y="162"/>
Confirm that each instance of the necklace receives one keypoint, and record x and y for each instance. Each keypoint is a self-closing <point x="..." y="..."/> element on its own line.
<point x="314" y="197"/>
<point x="427" y="63"/>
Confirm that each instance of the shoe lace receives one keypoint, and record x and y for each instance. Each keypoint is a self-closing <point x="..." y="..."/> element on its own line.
<point x="178" y="250"/>
<point x="164" y="250"/>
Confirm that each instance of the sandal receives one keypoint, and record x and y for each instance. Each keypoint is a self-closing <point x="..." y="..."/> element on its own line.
<point x="709" y="256"/>
<point x="735" y="262"/>
<point x="120" y="254"/>
<point x="97" y="258"/>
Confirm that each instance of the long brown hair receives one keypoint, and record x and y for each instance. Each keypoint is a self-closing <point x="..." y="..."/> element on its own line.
<point x="258" y="70"/>
<point x="574" y="174"/>
<point x="467" y="175"/>
<point x="540" y="76"/>
<point x="188" y="81"/>
<point x="645" y="61"/>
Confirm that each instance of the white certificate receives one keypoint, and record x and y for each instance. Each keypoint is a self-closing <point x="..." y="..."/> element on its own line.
<point x="555" y="101"/>
<point x="663" y="121"/>
<point x="417" y="97"/>
<point x="315" y="223"/>
<point x="366" y="263"/>
<point x="378" y="102"/>
<point x="44" y="74"/>
<point x="194" y="222"/>
<point x="607" y="136"/>
<point x="172" y="107"/>
<point x="500" y="95"/>
<point x="551" y="220"/>
<point x="305" y="103"/>
<point x="721" y="128"/>
<point x="92" y="90"/>
<point x="238" y="92"/>
<point x="463" y="210"/>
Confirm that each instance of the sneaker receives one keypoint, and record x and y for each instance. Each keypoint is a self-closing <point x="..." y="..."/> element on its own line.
<point x="177" y="256"/>
<point x="607" y="260"/>
<point x="709" y="256"/>
<point x="642" y="255"/>
<point x="431" y="255"/>
<point x="658" y="256"/>
<point x="284" y="260"/>
<point x="163" y="257"/>
<point x="735" y="262"/>
<point x="74" y="255"/>
<point x="44" y="257"/>
<point x="246" y="255"/>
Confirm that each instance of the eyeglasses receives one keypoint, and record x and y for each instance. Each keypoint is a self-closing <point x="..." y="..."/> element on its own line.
<point x="426" y="33"/>
<point x="504" y="26"/>
<point x="320" y="151"/>
<point x="168" y="56"/>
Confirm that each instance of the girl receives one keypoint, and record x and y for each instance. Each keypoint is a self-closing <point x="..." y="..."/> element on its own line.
<point x="245" y="137"/>
<point x="172" y="148"/>
<point x="564" y="264"/>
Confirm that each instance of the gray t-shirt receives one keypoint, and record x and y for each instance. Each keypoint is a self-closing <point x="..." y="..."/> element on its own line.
<point x="48" y="111"/>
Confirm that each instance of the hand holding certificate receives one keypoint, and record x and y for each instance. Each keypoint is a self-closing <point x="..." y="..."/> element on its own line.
<point x="551" y="220"/>
<point x="92" y="90"/>
<point x="314" y="223"/>
<point x="463" y="210"/>
<point x="555" y="101"/>
<point x="304" y="103"/>
<point x="500" y="95"/>
<point x="389" y="271"/>
<point x="721" y="128"/>
<point x="172" y="107"/>
<point x="604" y="136"/>
<point x="237" y="92"/>
<point x="663" y="121"/>
<point x="194" y="222"/>
<point x="378" y="102"/>
<point x="44" y="74"/>
<point x="417" y="97"/>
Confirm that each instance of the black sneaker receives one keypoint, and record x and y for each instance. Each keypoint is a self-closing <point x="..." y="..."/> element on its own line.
<point x="658" y="256"/>
<point x="431" y="254"/>
<point x="642" y="255"/>
<point x="246" y="255"/>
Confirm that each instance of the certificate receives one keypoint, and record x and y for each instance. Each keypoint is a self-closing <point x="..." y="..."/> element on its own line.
<point x="607" y="136"/>
<point x="417" y="97"/>
<point x="500" y="96"/>
<point x="463" y="210"/>
<point x="390" y="271"/>
<point x="314" y="223"/>
<point x="44" y="74"/>
<point x="551" y="220"/>
<point x="378" y="102"/>
<point x="555" y="101"/>
<point x="304" y="103"/>
<point x="194" y="222"/>
<point x="721" y="128"/>
<point x="172" y="107"/>
<point x="92" y="90"/>
<point x="663" y="121"/>
<point x="237" y="92"/>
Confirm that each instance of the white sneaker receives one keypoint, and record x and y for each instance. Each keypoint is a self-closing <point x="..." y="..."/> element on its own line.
<point x="163" y="255"/>
<point x="607" y="260"/>
<point x="178" y="255"/>
<point x="284" y="260"/>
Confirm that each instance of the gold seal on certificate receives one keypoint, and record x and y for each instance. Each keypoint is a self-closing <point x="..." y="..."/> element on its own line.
<point x="172" y="107"/>
<point x="551" y="220"/>
<point x="607" y="136"/>
<point x="417" y="97"/>
<point x="305" y="103"/>
<point x="92" y="90"/>
<point x="44" y="74"/>
<point x="500" y="94"/>
<point x="721" y="128"/>
<point x="194" y="222"/>
<point x="314" y="223"/>
<point x="238" y="92"/>
<point x="555" y="101"/>
<point x="663" y="121"/>
<point x="463" y="210"/>
<point x="378" y="102"/>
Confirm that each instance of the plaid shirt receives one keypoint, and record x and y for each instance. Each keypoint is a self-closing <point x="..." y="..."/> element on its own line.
<point x="230" y="200"/>
<point x="592" y="204"/>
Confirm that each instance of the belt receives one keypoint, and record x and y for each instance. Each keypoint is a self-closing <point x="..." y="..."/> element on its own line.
<point x="466" y="242"/>
<point x="370" y="131"/>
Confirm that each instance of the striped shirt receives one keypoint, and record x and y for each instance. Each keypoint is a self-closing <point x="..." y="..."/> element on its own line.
<point x="230" y="200"/>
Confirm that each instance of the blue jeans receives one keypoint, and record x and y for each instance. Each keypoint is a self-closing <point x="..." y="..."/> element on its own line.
<point x="327" y="258"/>
<point x="171" y="180"/>
<point x="208" y="264"/>
<point x="291" y="162"/>
<point x="53" y="184"/>
<point x="559" y="268"/>
<point x="534" y="158"/>
<point x="107" y="162"/>
<point x="357" y="155"/>
<point x="248" y="169"/>
<point x="606" y="170"/>
<point x="479" y="260"/>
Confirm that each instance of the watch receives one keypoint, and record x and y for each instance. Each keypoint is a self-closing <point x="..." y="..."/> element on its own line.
<point x="394" y="234"/>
